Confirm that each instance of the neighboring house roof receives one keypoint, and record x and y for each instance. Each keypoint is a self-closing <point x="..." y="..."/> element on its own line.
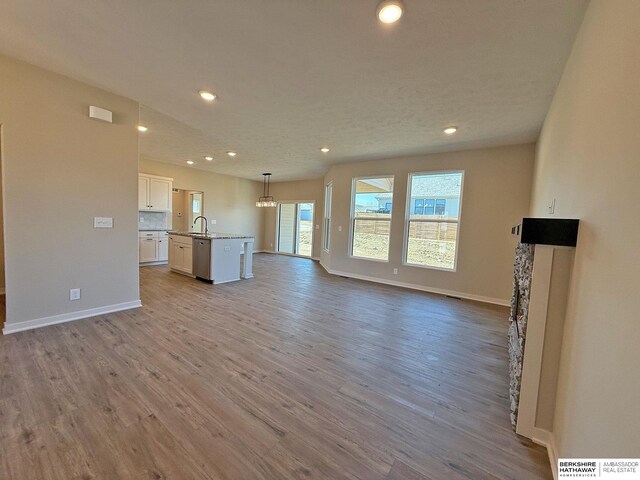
<point x="433" y="186"/>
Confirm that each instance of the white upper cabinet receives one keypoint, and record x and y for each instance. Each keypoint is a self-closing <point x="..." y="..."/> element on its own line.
<point x="154" y="193"/>
<point x="143" y="192"/>
<point x="160" y="194"/>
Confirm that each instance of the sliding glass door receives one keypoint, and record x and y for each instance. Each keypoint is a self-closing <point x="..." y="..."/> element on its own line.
<point x="287" y="228"/>
<point x="295" y="228"/>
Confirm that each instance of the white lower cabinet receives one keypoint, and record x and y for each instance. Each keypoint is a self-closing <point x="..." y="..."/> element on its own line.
<point x="181" y="254"/>
<point x="163" y="249"/>
<point x="153" y="247"/>
<point x="148" y="250"/>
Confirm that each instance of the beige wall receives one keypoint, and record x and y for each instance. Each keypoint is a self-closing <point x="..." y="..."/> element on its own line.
<point x="1" y="220"/>
<point x="301" y="191"/>
<point x="60" y="170"/>
<point x="231" y="201"/>
<point x="180" y="210"/>
<point x="588" y="159"/>
<point x="495" y="197"/>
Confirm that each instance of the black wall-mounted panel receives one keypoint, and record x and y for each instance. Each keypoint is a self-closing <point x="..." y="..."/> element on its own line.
<point x="550" y="231"/>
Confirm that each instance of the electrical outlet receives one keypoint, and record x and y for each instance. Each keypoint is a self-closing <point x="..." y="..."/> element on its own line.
<point x="552" y="206"/>
<point x="339" y="228"/>
<point x="212" y="222"/>
<point x="74" y="294"/>
<point x="317" y="227"/>
<point x="395" y="271"/>
<point x="271" y="245"/>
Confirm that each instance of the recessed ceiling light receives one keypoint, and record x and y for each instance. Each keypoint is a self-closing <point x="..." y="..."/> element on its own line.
<point x="208" y="158"/>
<point x="450" y="130"/>
<point x="232" y="154"/>
<point x="325" y="149"/>
<point x="208" y="96"/>
<point x="389" y="11"/>
<point x="190" y="162"/>
<point x="142" y="128"/>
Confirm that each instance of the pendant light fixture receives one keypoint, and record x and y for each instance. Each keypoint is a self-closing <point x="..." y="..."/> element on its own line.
<point x="266" y="200"/>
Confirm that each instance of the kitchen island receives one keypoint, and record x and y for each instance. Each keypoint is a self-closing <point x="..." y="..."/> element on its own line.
<point x="212" y="257"/>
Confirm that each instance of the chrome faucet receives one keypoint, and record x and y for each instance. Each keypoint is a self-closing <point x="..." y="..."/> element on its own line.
<point x="206" y="223"/>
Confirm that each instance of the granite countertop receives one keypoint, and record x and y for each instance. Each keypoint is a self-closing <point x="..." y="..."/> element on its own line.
<point x="211" y="235"/>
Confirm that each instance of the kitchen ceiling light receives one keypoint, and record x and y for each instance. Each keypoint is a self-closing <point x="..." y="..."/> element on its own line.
<point x="450" y="130"/>
<point x="208" y="158"/>
<point x="208" y="96"/>
<point x="231" y="154"/>
<point x="190" y="162"/>
<point x="325" y="149"/>
<point x="266" y="200"/>
<point x="390" y="11"/>
<point x="142" y="128"/>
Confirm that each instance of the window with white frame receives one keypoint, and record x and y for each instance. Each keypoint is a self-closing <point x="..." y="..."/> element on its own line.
<point x="328" y="194"/>
<point x="433" y="216"/>
<point x="371" y="202"/>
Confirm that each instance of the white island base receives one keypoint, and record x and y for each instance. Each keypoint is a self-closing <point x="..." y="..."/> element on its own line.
<point x="225" y="259"/>
<point x="214" y="257"/>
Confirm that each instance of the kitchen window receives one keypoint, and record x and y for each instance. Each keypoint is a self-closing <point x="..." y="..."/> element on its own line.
<point x="371" y="201"/>
<point x="433" y="219"/>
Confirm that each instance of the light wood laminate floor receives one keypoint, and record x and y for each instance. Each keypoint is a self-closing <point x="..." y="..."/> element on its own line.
<point x="294" y="374"/>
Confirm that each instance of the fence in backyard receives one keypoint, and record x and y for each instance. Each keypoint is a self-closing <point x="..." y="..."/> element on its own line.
<point x="420" y="230"/>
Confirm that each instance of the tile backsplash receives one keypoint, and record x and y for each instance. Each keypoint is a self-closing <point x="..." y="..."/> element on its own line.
<point x="153" y="221"/>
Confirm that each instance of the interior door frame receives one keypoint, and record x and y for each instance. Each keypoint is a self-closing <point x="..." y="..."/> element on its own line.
<point x="276" y="240"/>
<point x="189" y="202"/>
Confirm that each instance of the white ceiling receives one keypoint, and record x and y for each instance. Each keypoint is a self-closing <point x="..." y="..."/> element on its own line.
<point x="294" y="75"/>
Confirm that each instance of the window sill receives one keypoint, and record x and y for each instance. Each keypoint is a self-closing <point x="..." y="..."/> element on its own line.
<point x="369" y="259"/>
<point x="441" y="269"/>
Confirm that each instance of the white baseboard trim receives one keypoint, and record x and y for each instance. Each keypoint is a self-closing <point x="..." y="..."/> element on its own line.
<point x="422" y="288"/>
<point x="68" y="317"/>
<point x="149" y="264"/>
<point x="547" y="440"/>
<point x="272" y="252"/>
<point x="553" y="456"/>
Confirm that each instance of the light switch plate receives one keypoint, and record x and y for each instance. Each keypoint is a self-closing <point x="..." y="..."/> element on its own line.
<point x="74" y="294"/>
<point x="102" y="222"/>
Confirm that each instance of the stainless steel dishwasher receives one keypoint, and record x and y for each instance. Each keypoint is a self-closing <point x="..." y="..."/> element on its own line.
<point x="202" y="259"/>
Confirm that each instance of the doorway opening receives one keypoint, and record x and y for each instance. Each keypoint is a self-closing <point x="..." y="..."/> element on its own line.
<point x="187" y="206"/>
<point x="295" y="228"/>
<point x="195" y="210"/>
